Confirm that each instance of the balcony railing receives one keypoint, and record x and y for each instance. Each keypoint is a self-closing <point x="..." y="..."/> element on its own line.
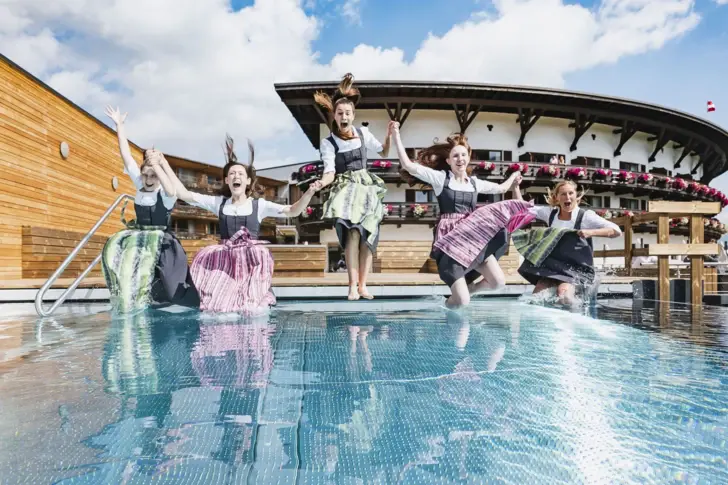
<point x="428" y="213"/>
<point x="191" y="212"/>
<point x="596" y="179"/>
<point x="194" y="183"/>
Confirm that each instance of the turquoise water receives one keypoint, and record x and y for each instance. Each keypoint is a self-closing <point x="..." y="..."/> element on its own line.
<point x="400" y="392"/>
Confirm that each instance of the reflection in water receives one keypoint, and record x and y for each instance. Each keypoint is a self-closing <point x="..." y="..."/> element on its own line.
<point x="502" y="391"/>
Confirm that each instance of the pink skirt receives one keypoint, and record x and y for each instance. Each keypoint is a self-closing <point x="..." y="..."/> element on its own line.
<point x="464" y="238"/>
<point x="234" y="356"/>
<point x="235" y="275"/>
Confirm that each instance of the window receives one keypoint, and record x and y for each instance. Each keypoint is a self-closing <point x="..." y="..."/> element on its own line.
<point x="212" y="180"/>
<point x="629" y="204"/>
<point x="212" y="228"/>
<point x="587" y="162"/>
<point x="630" y="167"/>
<point x="530" y="157"/>
<point x="489" y="198"/>
<point x="594" y="201"/>
<point x="182" y="225"/>
<point x="419" y="196"/>
<point x="489" y="155"/>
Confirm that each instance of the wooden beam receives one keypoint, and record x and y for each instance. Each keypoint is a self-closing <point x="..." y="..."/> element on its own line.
<point x="693" y="207"/>
<point x="646" y="217"/>
<point x="640" y="252"/>
<point x="397" y="114"/>
<point x="686" y="151"/>
<point x="625" y="133"/>
<point x="608" y="253"/>
<point x="697" y="249"/>
<point x="696" y="260"/>
<point x="581" y="126"/>
<point x="661" y="140"/>
<point x="628" y="247"/>
<point x="663" y="262"/>
<point x="526" y="118"/>
<point x="321" y="114"/>
<point x="465" y="117"/>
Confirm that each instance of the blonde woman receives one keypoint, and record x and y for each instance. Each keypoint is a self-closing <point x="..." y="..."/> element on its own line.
<point x="562" y="254"/>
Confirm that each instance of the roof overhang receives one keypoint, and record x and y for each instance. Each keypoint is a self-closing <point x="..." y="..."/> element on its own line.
<point x="694" y="135"/>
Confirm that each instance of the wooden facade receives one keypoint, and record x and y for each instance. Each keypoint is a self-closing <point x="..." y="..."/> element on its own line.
<point x="38" y="186"/>
<point x="42" y="191"/>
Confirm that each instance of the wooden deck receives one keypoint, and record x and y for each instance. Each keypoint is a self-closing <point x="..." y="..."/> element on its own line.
<point x="329" y="279"/>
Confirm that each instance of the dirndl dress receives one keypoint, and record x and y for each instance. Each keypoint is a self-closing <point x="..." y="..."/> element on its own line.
<point x="355" y="199"/>
<point x="465" y="236"/>
<point x="557" y="254"/>
<point x="145" y="264"/>
<point x="237" y="274"/>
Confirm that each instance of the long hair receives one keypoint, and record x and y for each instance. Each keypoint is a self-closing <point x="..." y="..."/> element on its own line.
<point x="552" y="198"/>
<point x="436" y="155"/>
<point x="345" y="93"/>
<point x="232" y="159"/>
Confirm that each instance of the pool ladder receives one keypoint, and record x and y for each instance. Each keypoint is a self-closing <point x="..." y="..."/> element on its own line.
<point x="39" y="296"/>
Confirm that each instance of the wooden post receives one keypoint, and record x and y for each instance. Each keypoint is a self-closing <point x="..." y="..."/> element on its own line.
<point x="696" y="261"/>
<point x="663" y="264"/>
<point x="628" y="245"/>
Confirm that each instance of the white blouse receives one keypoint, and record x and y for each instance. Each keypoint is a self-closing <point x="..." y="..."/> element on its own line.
<point x="436" y="178"/>
<point x="144" y="198"/>
<point x="212" y="203"/>
<point x="327" y="149"/>
<point x="591" y="219"/>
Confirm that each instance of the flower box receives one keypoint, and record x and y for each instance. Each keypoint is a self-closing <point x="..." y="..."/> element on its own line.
<point x="602" y="174"/>
<point x="548" y="171"/>
<point x="625" y="177"/>
<point x="381" y="164"/>
<point x="645" y="178"/>
<point x="486" y="166"/>
<point x="576" y="173"/>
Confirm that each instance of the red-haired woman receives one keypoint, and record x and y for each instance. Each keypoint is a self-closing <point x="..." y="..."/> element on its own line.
<point x="467" y="241"/>
<point x="145" y="263"/>
<point x="355" y="200"/>
<point x="236" y="275"/>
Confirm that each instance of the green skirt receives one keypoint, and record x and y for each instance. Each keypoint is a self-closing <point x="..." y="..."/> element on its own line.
<point x="355" y="202"/>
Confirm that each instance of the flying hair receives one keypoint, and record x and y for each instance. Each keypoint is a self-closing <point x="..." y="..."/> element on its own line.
<point x="345" y="93"/>
<point x="552" y="197"/>
<point x="232" y="160"/>
<point x="435" y="156"/>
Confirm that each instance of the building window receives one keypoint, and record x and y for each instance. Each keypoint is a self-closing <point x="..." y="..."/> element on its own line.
<point x="182" y="225"/>
<point x="629" y="204"/>
<point x="587" y="162"/>
<point x="212" y="228"/>
<point x="489" y="155"/>
<point x="531" y="157"/>
<point x="212" y="180"/>
<point x="594" y="201"/>
<point x="630" y="167"/>
<point x="489" y="198"/>
<point x="419" y="196"/>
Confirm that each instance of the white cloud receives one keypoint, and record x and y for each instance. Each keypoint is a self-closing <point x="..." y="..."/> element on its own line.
<point x="190" y="71"/>
<point x="721" y="2"/>
<point x="351" y="11"/>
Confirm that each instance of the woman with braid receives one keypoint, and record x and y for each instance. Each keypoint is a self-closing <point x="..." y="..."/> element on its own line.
<point x="355" y="199"/>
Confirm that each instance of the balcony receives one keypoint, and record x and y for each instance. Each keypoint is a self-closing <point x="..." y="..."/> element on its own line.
<point x="200" y="184"/>
<point x="596" y="180"/>
<point x="402" y="213"/>
<point x="184" y="211"/>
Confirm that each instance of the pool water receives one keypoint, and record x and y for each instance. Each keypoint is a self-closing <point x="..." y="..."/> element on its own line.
<point x="365" y="393"/>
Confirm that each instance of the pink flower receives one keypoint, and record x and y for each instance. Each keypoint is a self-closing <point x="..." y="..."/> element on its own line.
<point x="625" y="176"/>
<point x="486" y="166"/>
<point x="515" y="167"/>
<point x="645" y="178"/>
<point x="576" y="173"/>
<point x="679" y="184"/>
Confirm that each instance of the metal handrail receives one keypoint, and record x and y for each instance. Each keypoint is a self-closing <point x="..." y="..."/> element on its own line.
<point x="67" y="261"/>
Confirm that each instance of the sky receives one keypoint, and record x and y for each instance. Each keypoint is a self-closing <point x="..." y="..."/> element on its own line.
<point x="189" y="71"/>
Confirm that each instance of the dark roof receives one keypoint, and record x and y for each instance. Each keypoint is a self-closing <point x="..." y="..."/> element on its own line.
<point x="700" y="136"/>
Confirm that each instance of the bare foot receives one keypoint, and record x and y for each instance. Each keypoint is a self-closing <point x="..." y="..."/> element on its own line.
<point x="353" y="294"/>
<point x="365" y="293"/>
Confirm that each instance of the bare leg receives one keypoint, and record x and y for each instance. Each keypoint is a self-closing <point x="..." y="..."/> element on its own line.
<point x="542" y="285"/>
<point x="352" y="262"/>
<point x="493" y="277"/>
<point x="566" y="293"/>
<point x="460" y="296"/>
<point x="365" y="265"/>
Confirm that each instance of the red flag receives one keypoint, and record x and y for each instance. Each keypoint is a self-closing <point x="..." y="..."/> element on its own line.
<point x="711" y="107"/>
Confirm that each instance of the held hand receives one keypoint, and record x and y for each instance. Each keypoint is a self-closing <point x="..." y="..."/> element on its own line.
<point x="393" y="128"/>
<point x="115" y="115"/>
<point x="312" y="189"/>
<point x="316" y="186"/>
<point x="517" y="179"/>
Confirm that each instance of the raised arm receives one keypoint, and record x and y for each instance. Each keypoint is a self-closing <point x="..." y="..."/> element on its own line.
<point x="296" y="209"/>
<point x="158" y="163"/>
<point x="597" y="226"/>
<point x="387" y="142"/>
<point x="178" y="189"/>
<point x="129" y="163"/>
<point x="404" y="160"/>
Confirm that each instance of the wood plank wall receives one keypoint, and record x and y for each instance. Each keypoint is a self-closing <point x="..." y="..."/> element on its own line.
<point x="37" y="186"/>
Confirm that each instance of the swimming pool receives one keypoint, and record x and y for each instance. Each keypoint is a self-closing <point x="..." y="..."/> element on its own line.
<point x="367" y="392"/>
